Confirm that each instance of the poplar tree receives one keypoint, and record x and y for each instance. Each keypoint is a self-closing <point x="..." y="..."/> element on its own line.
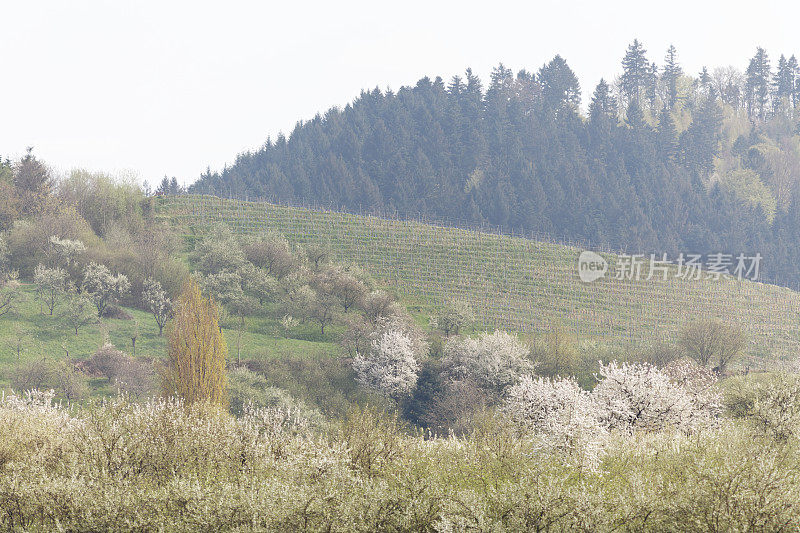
<point x="196" y="369"/>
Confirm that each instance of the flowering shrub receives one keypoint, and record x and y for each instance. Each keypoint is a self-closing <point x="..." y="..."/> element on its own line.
<point x="562" y="414"/>
<point x="493" y="360"/>
<point x="168" y="466"/>
<point x="639" y="396"/>
<point x="390" y="366"/>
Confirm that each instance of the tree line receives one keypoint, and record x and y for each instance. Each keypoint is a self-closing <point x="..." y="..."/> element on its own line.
<point x="661" y="161"/>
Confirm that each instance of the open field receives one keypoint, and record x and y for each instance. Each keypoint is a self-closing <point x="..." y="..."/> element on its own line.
<point x="511" y="282"/>
<point x="45" y="336"/>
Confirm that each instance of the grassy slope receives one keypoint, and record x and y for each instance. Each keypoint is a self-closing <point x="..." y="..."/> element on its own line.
<point x="45" y="336"/>
<point x="515" y="283"/>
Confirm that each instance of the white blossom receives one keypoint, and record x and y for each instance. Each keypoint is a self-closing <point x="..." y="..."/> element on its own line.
<point x="639" y="396"/>
<point x="390" y="365"/>
<point x="494" y="360"/>
<point x="561" y="415"/>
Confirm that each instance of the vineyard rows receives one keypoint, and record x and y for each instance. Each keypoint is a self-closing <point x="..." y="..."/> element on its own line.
<point x="511" y="282"/>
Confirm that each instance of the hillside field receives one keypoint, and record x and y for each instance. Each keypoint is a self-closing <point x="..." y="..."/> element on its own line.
<point x="511" y="282"/>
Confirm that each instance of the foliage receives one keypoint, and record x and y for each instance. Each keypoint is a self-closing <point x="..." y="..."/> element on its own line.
<point x="165" y="465"/>
<point x="713" y="342"/>
<point x="564" y="416"/>
<point x="219" y="251"/>
<point x="197" y="353"/>
<point x="380" y="305"/>
<point x="515" y="152"/>
<point x="51" y="285"/>
<point x="101" y="199"/>
<point x="9" y="296"/>
<point x="102" y="287"/>
<point x="157" y="301"/>
<point x="390" y="366"/>
<point x="640" y="397"/>
<point x="78" y="311"/>
<point x="453" y="318"/>
<point x="771" y="403"/>
<point x="271" y="253"/>
<point x="494" y="361"/>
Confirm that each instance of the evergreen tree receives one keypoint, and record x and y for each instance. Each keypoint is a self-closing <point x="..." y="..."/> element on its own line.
<point x="784" y="82"/>
<point x="33" y="184"/>
<point x="636" y="71"/>
<point x="560" y="88"/>
<point x="700" y="142"/>
<point x="164" y="187"/>
<point x="704" y="81"/>
<point x="672" y="72"/>
<point x="757" y="85"/>
<point x="634" y="116"/>
<point x="603" y="106"/>
<point x="667" y="134"/>
<point x="794" y="69"/>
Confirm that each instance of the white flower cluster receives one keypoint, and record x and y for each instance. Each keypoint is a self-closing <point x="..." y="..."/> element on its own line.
<point x="630" y="397"/>
<point x="390" y="365"/>
<point x="493" y="360"/>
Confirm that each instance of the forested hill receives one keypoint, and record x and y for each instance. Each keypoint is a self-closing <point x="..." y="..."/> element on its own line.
<point x="662" y="160"/>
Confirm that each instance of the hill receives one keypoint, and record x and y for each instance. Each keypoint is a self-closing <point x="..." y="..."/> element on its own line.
<point x="662" y="162"/>
<point x="511" y="282"/>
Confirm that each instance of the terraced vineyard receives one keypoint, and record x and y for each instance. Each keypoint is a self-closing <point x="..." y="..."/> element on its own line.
<point x="512" y="282"/>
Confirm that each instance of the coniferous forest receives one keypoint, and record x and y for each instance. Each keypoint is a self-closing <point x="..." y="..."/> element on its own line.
<point x="660" y="159"/>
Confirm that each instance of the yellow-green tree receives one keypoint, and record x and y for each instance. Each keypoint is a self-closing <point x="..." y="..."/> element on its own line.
<point x="197" y="351"/>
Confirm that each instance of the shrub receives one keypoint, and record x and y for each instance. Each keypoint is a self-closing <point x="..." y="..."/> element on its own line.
<point x="219" y="251"/>
<point x="51" y="284"/>
<point x="493" y="361"/>
<point x="561" y="414"/>
<point x="639" y="396"/>
<point x="769" y="402"/>
<point x="271" y="253"/>
<point x="33" y="375"/>
<point x="558" y="355"/>
<point x="379" y="305"/>
<point x="390" y="366"/>
<point x="246" y="387"/>
<point x="453" y="318"/>
<point x="156" y="300"/>
<point x="69" y="382"/>
<point x="712" y="342"/>
<point x="102" y="287"/>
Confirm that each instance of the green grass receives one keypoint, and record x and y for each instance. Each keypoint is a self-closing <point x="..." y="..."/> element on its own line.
<point x="45" y="336"/>
<point x="512" y="283"/>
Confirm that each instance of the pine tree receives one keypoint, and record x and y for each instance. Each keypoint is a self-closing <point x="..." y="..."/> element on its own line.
<point x="635" y="72"/>
<point x="32" y="182"/>
<point x="456" y="86"/>
<point x="795" y="71"/>
<point x="560" y="87"/>
<point x="651" y="87"/>
<point x="672" y="72"/>
<point x="704" y="81"/>
<point x="667" y="134"/>
<point x="196" y="350"/>
<point x="783" y="83"/>
<point x="757" y="85"/>
<point x="634" y="116"/>
<point x="603" y="106"/>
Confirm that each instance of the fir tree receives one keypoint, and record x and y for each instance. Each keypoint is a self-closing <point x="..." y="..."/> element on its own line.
<point x="672" y="72"/>
<point x="636" y="70"/>
<point x="757" y="85"/>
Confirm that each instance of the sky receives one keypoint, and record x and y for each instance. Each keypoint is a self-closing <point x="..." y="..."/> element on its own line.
<point x="153" y="88"/>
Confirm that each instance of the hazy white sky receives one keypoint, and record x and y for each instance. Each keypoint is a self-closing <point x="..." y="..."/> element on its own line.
<point x="160" y="87"/>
